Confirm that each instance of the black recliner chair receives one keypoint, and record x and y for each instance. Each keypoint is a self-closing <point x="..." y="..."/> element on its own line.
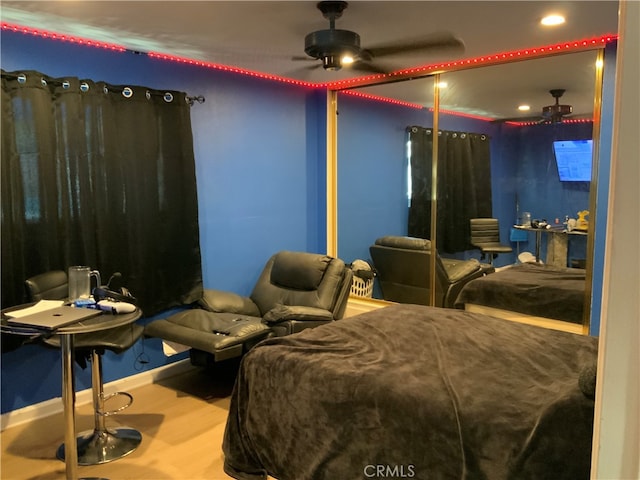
<point x="403" y="265"/>
<point x="296" y="290"/>
<point x="102" y="444"/>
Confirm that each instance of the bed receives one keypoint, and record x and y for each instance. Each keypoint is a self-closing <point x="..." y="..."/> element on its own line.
<point x="536" y="291"/>
<point x="409" y="391"/>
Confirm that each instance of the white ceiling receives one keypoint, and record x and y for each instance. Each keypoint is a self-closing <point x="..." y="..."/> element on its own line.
<point x="264" y="36"/>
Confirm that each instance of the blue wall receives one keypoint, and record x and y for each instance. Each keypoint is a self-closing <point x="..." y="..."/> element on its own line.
<point x="260" y="166"/>
<point x="536" y="182"/>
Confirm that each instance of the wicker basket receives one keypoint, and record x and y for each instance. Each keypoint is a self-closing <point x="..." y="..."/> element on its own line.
<point x="361" y="287"/>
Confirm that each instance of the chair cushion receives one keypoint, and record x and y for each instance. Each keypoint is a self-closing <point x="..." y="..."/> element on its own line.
<point x="326" y="273"/>
<point x="116" y="340"/>
<point x="222" y="301"/>
<point x="458" y="269"/>
<point x="208" y="331"/>
<point x="281" y="313"/>
<point x="47" y="286"/>
<point x="298" y="270"/>
<point x="494" y="247"/>
<point x="410" y="243"/>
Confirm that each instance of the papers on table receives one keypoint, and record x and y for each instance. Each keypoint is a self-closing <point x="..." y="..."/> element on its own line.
<point x="41" y="306"/>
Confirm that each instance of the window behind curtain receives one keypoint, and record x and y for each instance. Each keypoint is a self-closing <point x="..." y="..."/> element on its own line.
<point x="99" y="175"/>
<point x="464" y="185"/>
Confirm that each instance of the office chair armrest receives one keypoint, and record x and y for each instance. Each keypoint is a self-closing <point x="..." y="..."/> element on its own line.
<point x="228" y="302"/>
<point x="459" y="269"/>
<point x="283" y="313"/>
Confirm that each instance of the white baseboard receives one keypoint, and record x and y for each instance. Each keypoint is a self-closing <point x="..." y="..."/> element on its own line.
<point x="54" y="405"/>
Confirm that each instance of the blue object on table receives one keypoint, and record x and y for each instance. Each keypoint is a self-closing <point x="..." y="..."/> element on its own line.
<point x="518" y="235"/>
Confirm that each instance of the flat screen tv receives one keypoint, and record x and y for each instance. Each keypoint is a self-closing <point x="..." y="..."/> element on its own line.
<point x="573" y="158"/>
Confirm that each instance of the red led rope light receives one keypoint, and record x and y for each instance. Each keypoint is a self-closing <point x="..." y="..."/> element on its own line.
<point x="341" y="84"/>
<point x="62" y="37"/>
<point x="480" y="61"/>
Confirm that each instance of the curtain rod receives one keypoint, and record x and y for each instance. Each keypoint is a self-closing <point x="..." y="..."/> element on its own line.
<point x="124" y="90"/>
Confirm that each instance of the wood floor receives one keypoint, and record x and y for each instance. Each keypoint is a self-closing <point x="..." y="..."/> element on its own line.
<point x="181" y="418"/>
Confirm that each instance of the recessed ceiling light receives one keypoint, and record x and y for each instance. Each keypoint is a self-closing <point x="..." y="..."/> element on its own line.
<point x="442" y="84"/>
<point x="524" y="108"/>
<point x="552" y="20"/>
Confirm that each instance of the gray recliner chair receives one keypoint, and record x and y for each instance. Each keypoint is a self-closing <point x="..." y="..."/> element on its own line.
<point x="403" y="265"/>
<point x="296" y="290"/>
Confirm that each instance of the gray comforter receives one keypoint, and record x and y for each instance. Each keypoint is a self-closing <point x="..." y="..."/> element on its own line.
<point x="414" y="392"/>
<point x="540" y="290"/>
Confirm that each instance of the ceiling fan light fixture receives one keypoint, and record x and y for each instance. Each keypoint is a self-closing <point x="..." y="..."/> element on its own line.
<point x="347" y="59"/>
<point x="331" y="46"/>
<point x="552" y="20"/>
<point x="331" y="63"/>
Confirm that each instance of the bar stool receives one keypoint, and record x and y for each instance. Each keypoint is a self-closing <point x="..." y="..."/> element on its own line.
<point x="102" y="444"/>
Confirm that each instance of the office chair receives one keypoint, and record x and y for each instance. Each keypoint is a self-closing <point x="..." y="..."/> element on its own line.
<point x="485" y="236"/>
<point x="295" y="291"/>
<point x="102" y="444"/>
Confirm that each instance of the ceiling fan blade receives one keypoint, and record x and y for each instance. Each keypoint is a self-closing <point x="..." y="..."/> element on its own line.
<point x="431" y="42"/>
<point x="363" y="66"/>
<point x="303" y="58"/>
<point x="536" y="118"/>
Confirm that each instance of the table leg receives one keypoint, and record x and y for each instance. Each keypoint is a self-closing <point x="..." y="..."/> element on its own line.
<point x="69" y="405"/>
<point x="538" y="241"/>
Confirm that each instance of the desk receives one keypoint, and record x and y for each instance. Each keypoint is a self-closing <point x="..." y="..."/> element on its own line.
<point x="105" y="321"/>
<point x="556" y="245"/>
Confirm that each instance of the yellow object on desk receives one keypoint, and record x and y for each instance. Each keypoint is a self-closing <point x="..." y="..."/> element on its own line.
<point x="582" y="223"/>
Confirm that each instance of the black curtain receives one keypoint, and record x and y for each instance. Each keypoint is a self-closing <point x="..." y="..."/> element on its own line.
<point x="100" y="175"/>
<point x="464" y="185"/>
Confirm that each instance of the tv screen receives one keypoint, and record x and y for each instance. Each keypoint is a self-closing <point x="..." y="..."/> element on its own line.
<point x="573" y="158"/>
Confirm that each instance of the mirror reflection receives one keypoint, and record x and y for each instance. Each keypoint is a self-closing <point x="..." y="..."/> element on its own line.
<point x="494" y="162"/>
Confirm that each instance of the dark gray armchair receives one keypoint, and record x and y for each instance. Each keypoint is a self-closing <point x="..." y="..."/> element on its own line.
<point x="403" y="265"/>
<point x="296" y="290"/>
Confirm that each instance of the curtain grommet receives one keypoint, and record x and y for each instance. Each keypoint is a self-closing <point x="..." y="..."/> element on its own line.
<point x="127" y="92"/>
<point x="168" y="97"/>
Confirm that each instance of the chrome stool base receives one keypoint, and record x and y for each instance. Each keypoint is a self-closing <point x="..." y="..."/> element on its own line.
<point x="97" y="447"/>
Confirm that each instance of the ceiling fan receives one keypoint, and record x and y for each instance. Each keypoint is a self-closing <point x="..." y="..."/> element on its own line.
<point x="338" y="48"/>
<point x="554" y="113"/>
